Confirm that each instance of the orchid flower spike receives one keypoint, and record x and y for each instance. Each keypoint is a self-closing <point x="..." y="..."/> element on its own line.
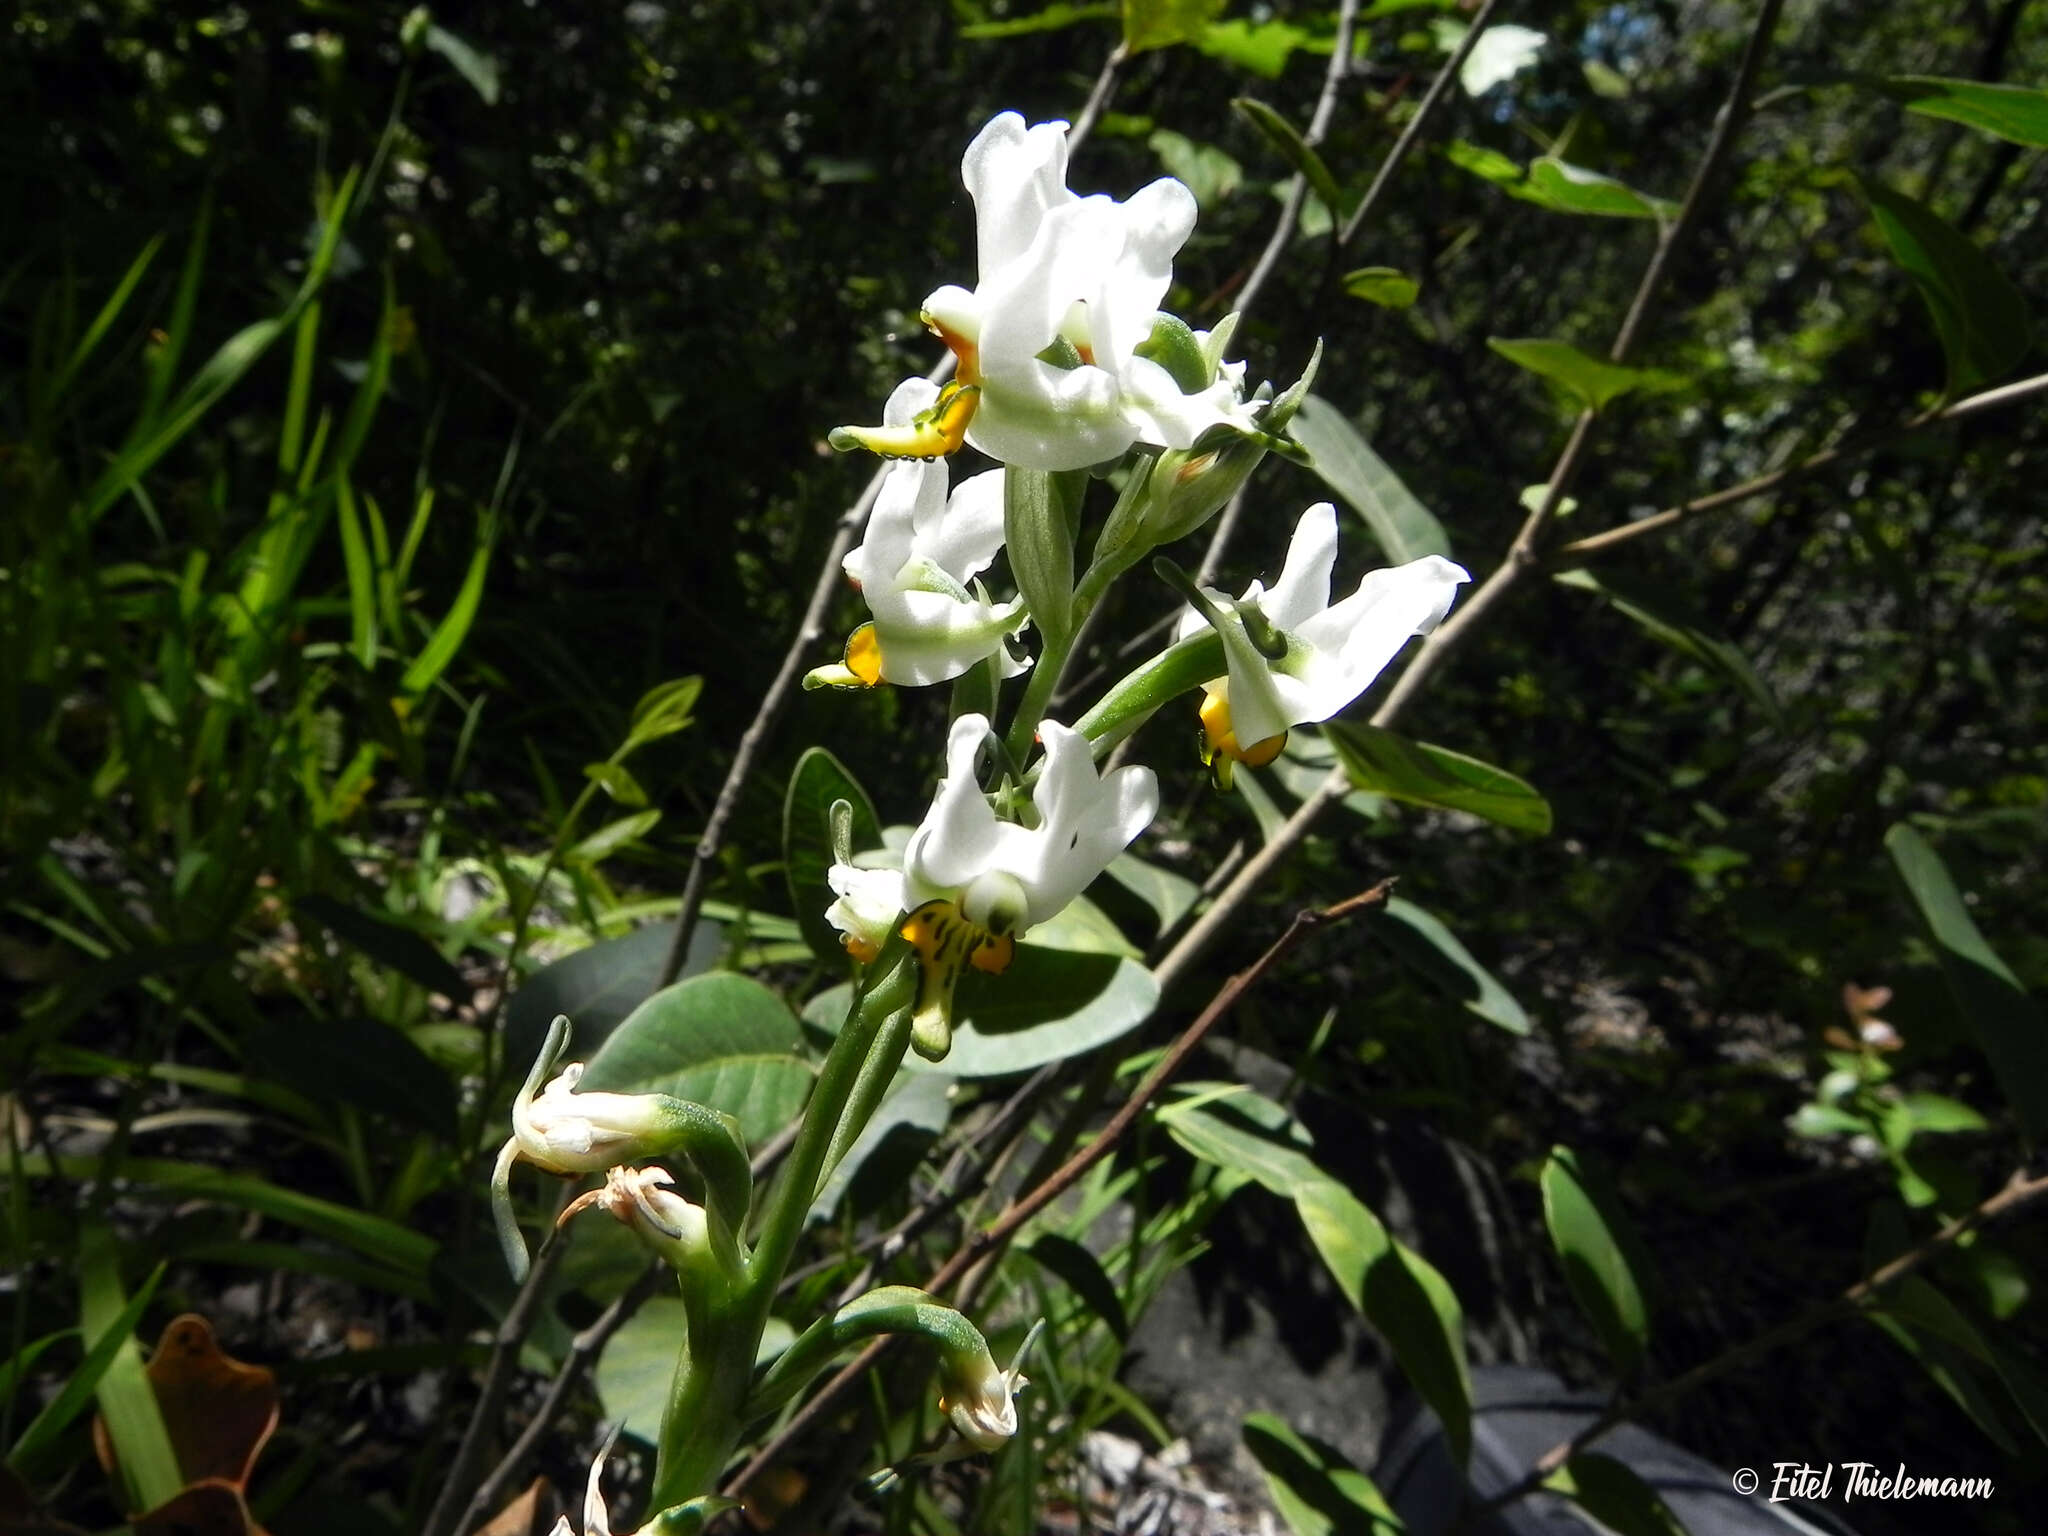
<point x="973" y="883"/>
<point x="1295" y="657"/>
<point x="916" y="567"/>
<point x="1060" y="365"/>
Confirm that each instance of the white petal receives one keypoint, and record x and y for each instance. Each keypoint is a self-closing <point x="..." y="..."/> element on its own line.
<point x="1351" y="643"/>
<point x="910" y="493"/>
<point x="1500" y="54"/>
<point x="959" y="836"/>
<point x="1303" y="590"/>
<point x="1124" y="298"/>
<point x="1160" y="414"/>
<point x="868" y="904"/>
<point x="1084" y="822"/>
<point x="926" y="637"/>
<point x="907" y="399"/>
<point x="965" y="539"/>
<point x="1016" y="175"/>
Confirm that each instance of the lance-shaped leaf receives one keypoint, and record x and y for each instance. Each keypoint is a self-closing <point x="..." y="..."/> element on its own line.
<point x="1421" y="941"/>
<point x="1662" y="617"/>
<point x="2008" y="1022"/>
<point x="1041" y="511"/>
<point x="1603" y="1262"/>
<point x="1405" y="528"/>
<point x="1388" y="287"/>
<point x="1980" y="317"/>
<point x="1592" y="381"/>
<point x="2016" y="113"/>
<point x="1317" y="1491"/>
<point x="1386" y="763"/>
<point x="1296" y="150"/>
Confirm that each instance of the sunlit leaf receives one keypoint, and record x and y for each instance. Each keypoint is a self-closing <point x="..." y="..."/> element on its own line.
<point x="1387" y="763"/>
<point x="2018" y="113"/>
<point x="598" y="986"/>
<point x="1613" y="1494"/>
<point x="1293" y="148"/>
<point x="1592" y="381"/>
<point x="1388" y="287"/>
<point x="475" y="66"/>
<point x="1162" y="23"/>
<point x="1596" y="1244"/>
<point x="1317" y="1491"/>
<point x="1405" y="528"/>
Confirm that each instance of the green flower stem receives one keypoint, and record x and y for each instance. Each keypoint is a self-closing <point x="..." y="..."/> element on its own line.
<point x="1038" y="687"/>
<point x="1130" y="702"/>
<point x="877" y="1072"/>
<point x="714" y="1365"/>
<point x="891" y="1309"/>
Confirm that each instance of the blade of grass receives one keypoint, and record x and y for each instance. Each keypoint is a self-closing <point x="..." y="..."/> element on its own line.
<point x="102" y="322"/>
<point x="362" y="579"/>
<point x="29" y="1454"/>
<point x="135" y="1422"/>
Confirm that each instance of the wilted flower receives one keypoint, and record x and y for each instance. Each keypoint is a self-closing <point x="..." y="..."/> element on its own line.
<point x="1055" y="336"/>
<point x="975" y="883"/>
<point x="1294" y="657"/>
<point x="914" y="566"/>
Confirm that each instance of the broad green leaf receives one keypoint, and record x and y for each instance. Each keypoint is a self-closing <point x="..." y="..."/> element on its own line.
<point x="1662" y="616"/>
<point x="1263" y="47"/>
<point x="1934" y="1113"/>
<point x="1423" y="943"/>
<point x="39" y="1443"/>
<point x="1294" y="149"/>
<point x="475" y="66"/>
<point x="1039" y="523"/>
<point x="610" y="838"/>
<point x="1203" y="169"/>
<point x="1612" y="1493"/>
<point x="2018" y="113"/>
<point x="1405" y="528"/>
<point x="391" y="944"/>
<point x="1592" y="381"/>
<point x="1388" y="287"/>
<point x="1602" y="1260"/>
<point x="2008" y="1022"/>
<point x="1162" y="23"/>
<point x="598" y="986"/>
<point x="1168" y="895"/>
<point x="1083" y="1274"/>
<point x="1051" y="19"/>
<point x="1316" y="1490"/>
<point x="359" y="1061"/>
<point x="720" y="1040"/>
<point x="1049" y="1005"/>
<point x="1244" y="1150"/>
<point x="1402" y="1295"/>
<point x="1980" y="317"/>
<point x="639" y="1361"/>
<point x="818" y="780"/>
<point x="1384" y="763"/>
<point x="1084" y="927"/>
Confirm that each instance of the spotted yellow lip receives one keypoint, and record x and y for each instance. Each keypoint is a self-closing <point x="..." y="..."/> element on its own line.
<point x="946" y="943"/>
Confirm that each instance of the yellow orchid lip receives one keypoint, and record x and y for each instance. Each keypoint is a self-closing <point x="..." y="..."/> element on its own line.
<point x="935" y="433"/>
<point x="945" y="942"/>
<point x="859" y="667"/>
<point x="1219" y="748"/>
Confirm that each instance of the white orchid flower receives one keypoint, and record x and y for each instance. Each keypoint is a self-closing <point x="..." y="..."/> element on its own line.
<point x="1501" y="53"/>
<point x="914" y="567"/>
<point x="1294" y="657"/>
<point x="1080" y="277"/>
<point x="566" y="1132"/>
<point x="869" y="903"/>
<point x="974" y="883"/>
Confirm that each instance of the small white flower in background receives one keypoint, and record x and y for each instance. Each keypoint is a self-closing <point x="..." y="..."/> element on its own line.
<point x="975" y="883"/>
<point x="921" y="550"/>
<point x="566" y="1132"/>
<point x="1082" y="275"/>
<point x="1294" y="657"/>
<point x="1501" y="53"/>
<point x="869" y="903"/>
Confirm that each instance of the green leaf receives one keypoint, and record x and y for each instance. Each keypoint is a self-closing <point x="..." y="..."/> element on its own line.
<point x="720" y="1040"/>
<point x="1823" y="1120"/>
<point x="616" y="781"/>
<point x="1386" y="763"/>
<point x="1592" y="381"/>
<point x="1203" y="169"/>
<point x="34" y="1452"/>
<point x="639" y="1362"/>
<point x="918" y="1102"/>
<point x="1565" y="188"/>
<point x="388" y="943"/>
<point x="1317" y="1491"/>
<point x="1083" y="1274"/>
<point x="1661" y="615"/>
<point x="1956" y="1373"/>
<point x="1602" y="1259"/>
<point x="1612" y="1493"/>
<point x="1980" y="317"/>
<point x="448" y="635"/>
<point x="1162" y="23"/>
<point x="1425" y="945"/>
<point x="663" y="710"/>
<point x="1049" y="1005"/>
<point x="1040" y="510"/>
<point x="610" y="838"/>
<point x="1084" y="927"/>
<point x="1169" y="895"/>
<point x="1294" y="149"/>
<point x="1051" y="19"/>
<point x="598" y="986"/>
<point x="479" y="69"/>
<point x="2018" y="113"/>
<point x="1405" y="528"/>
<point x="2008" y="1022"/>
<point x="818" y="780"/>
<point x="1263" y="47"/>
<point x="1388" y="287"/>
<point x="1934" y="1113"/>
<point x="361" y="1061"/>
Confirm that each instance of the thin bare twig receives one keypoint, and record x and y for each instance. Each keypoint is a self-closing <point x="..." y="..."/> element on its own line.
<point x="1593" y="546"/>
<point x="2019" y="1192"/>
<point x="988" y="1240"/>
